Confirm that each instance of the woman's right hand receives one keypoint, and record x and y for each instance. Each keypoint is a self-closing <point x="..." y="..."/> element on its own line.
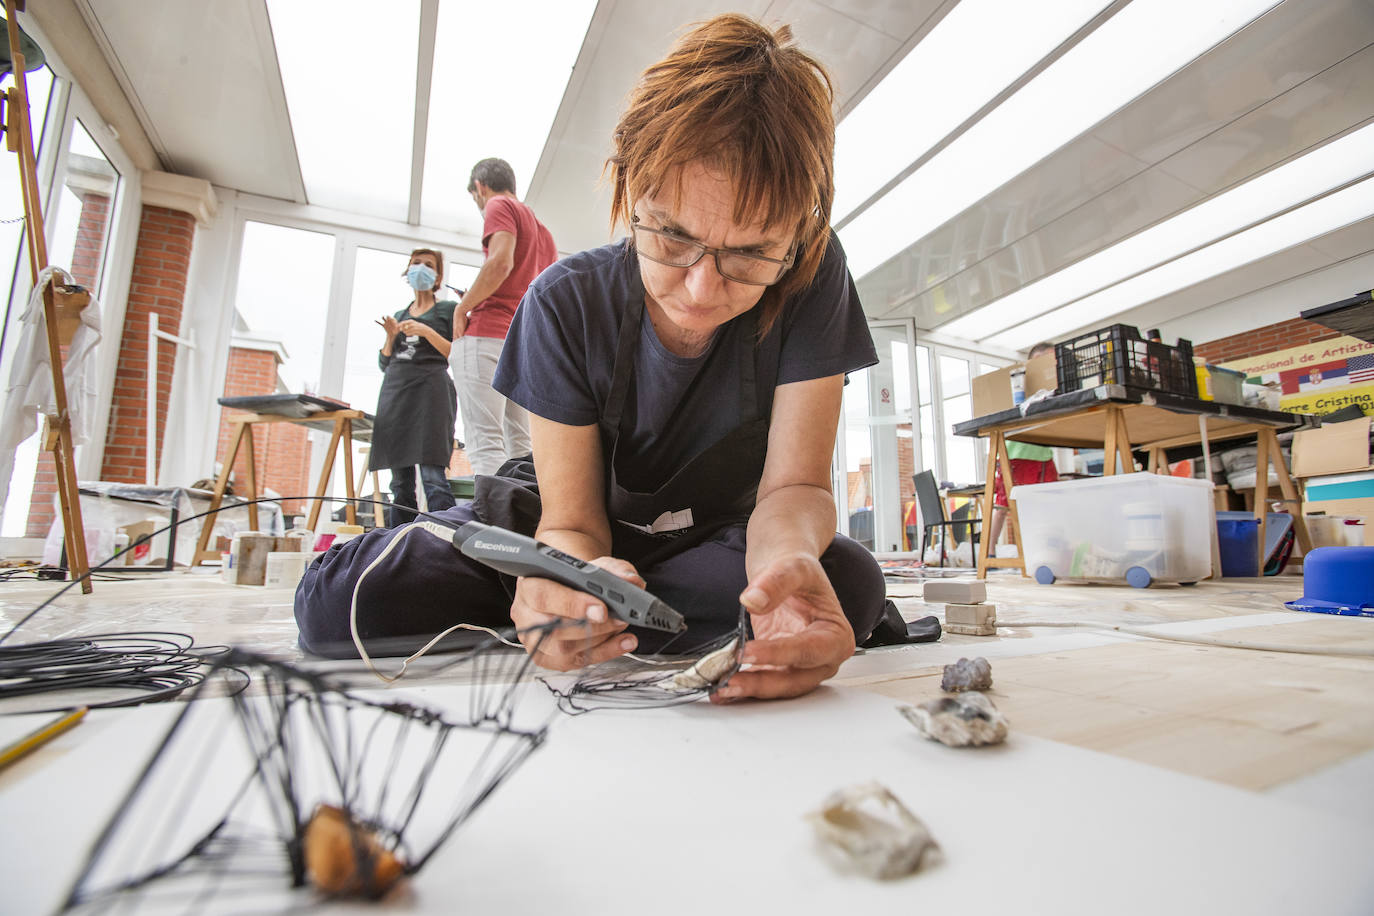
<point x="589" y="633"/>
<point x="390" y="325"/>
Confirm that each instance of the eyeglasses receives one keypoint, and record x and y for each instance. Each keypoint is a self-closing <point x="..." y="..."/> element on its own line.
<point x="673" y="250"/>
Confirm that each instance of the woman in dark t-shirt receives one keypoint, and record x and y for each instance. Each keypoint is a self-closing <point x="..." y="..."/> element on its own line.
<point x="684" y="387"/>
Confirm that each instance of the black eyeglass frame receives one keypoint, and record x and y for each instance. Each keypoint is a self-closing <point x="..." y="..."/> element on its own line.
<point x="783" y="264"/>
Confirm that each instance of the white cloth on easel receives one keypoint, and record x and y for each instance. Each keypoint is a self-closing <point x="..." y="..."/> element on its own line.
<point x="30" y="389"/>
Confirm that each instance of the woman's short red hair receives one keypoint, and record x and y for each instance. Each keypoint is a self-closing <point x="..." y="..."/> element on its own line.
<point x="745" y="100"/>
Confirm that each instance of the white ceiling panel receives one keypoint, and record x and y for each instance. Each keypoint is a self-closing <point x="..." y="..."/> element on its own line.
<point x="203" y="79"/>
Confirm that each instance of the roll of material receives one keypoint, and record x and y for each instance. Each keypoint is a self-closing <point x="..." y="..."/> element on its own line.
<point x="248" y="557"/>
<point x="285" y="568"/>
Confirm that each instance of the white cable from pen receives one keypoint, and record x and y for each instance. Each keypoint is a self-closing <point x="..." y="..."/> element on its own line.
<point x="445" y="534"/>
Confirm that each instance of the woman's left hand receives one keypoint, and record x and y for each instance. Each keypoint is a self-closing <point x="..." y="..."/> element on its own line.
<point x="801" y="635"/>
<point x="412" y="328"/>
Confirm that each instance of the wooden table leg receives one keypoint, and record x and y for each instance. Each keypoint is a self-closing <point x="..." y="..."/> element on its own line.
<point x="1123" y="443"/>
<point x="1262" y="459"/>
<point x="1109" y="453"/>
<point x="985" y="543"/>
<point x="350" y="507"/>
<point x="325" y="473"/>
<point x="208" y="526"/>
<point x="1289" y="490"/>
<point x="252" y="492"/>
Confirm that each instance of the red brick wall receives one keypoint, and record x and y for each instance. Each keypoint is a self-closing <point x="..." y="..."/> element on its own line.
<point x="90" y="238"/>
<point x="1292" y="333"/>
<point x="85" y="269"/>
<point x="161" y="261"/>
<point x="281" y="451"/>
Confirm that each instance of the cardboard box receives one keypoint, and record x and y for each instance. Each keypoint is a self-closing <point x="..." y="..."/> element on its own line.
<point x="992" y="390"/>
<point x="1335" y="448"/>
<point x="140" y="554"/>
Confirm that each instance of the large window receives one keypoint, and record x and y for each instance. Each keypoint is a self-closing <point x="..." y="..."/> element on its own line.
<point x="80" y="217"/>
<point x="283" y="294"/>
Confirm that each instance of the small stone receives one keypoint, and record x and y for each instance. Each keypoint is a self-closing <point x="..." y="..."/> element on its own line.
<point x="967" y="674"/>
<point x="962" y="720"/>
<point x="878" y="834"/>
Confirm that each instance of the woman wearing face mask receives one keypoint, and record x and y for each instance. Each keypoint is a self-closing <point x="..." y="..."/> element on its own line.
<point x="684" y="386"/>
<point x="416" y="407"/>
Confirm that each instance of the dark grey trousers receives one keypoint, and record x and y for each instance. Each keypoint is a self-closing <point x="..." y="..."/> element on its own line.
<point x="425" y="586"/>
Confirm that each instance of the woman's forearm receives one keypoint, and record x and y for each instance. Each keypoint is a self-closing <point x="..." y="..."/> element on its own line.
<point x="791" y="520"/>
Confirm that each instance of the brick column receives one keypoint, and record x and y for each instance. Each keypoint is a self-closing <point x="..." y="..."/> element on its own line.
<point x="161" y="262"/>
<point x="281" y="451"/>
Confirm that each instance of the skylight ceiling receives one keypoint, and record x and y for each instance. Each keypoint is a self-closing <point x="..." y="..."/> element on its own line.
<point x="1135" y="49"/>
<point x="495" y="96"/>
<point x="349" y="76"/>
<point x="359" y="77"/>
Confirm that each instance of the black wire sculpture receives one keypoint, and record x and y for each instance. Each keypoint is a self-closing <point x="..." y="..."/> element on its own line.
<point x="329" y="789"/>
<point x="639" y="683"/>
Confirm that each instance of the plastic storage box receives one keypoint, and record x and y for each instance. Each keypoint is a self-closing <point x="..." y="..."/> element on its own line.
<point x="1118" y="355"/>
<point x="1137" y="528"/>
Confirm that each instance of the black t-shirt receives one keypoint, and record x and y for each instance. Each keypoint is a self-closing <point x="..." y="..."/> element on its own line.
<point x="414" y="349"/>
<point x="560" y="353"/>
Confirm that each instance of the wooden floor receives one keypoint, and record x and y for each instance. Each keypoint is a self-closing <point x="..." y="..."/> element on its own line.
<point x="1251" y="719"/>
<point x="1256" y="720"/>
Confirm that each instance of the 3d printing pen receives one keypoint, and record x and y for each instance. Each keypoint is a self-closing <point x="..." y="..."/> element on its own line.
<point x="517" y="555"/>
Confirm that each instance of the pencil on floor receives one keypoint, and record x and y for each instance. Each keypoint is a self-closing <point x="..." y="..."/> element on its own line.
<point x="41" y="736"/>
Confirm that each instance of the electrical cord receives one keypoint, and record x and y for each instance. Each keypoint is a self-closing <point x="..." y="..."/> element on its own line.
<point x="1199" y="640"/>
<point x="155" y="666"/>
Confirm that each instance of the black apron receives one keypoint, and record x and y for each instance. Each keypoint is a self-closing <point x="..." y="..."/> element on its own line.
<point x="416" y="410"/>
<point x="718" y="487"/>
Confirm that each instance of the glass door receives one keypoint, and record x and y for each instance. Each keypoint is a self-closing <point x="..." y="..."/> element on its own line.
<point x="878" y="445"/>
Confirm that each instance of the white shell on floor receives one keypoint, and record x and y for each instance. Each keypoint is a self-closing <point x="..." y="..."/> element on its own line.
<point x="958" y="721"/>
<point x="877" y="833"/>
<point x="708" y="669"/>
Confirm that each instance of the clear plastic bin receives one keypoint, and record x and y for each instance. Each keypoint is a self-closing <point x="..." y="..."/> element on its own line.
<point x="1134" y="528"/>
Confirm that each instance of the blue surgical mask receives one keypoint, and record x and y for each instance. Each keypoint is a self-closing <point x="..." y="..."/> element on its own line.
<point x="421" y="277"/>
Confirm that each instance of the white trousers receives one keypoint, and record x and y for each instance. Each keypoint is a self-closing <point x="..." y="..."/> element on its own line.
<point x="494" y="427"/>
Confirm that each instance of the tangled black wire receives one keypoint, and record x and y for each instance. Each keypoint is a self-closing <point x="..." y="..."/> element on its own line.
<point x="143" y="666"/>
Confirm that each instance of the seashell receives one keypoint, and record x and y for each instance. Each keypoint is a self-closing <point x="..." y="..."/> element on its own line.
<point x="708" y="670"/>
<point x="958" y="721"/>
<point x="877" y="833"/>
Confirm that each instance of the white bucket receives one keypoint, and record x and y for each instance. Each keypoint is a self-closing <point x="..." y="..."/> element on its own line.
<point x="285" y="568"/>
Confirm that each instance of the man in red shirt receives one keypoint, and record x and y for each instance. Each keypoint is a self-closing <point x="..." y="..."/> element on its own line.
<point x="517" y="247"/>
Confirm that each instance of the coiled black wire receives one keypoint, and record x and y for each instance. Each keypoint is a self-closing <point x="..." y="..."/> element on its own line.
<point x="144" y="666"/>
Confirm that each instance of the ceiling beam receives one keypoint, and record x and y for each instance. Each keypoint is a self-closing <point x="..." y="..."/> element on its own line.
<point x="424" y="80"/>
<point x="66" y="36"/>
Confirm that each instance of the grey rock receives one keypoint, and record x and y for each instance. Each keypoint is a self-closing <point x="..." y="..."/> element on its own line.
<point x="967" y="674"/>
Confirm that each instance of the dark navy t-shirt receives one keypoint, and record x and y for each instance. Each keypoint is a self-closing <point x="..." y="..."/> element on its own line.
<point x="560" y="353"/>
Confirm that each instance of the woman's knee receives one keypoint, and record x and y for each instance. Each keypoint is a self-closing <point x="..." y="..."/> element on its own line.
<point x="858" y="582"/>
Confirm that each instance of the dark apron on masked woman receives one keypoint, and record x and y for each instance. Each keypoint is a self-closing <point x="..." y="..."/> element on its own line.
<point x="417" y="406"/>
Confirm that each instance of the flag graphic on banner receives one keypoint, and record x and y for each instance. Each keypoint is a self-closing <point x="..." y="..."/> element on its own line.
<point x="1322" y="376"/>
<point x="1360" y="369"/>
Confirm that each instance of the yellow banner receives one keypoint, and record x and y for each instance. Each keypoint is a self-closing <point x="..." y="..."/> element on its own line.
<point x="1316" y="378"/>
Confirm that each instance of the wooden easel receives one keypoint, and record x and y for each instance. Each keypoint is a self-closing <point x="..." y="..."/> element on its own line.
<point x="59" y="306"/>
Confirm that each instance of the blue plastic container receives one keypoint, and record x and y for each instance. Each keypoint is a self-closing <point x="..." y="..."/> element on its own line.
<point x="1238" y="539"/>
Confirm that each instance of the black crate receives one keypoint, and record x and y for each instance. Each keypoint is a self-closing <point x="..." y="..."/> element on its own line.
<point x="1118" y="355"/>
